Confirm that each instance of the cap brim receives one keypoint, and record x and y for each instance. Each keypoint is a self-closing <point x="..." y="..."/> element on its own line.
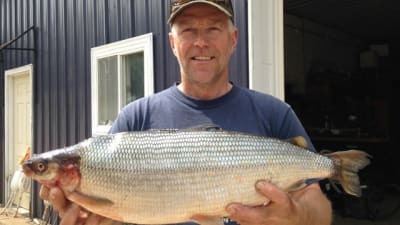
<point x="183" y="6"/>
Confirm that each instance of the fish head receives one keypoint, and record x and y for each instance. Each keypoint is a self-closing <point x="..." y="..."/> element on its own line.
<point x="43" y="170"/>
<point x="54" y="168"/>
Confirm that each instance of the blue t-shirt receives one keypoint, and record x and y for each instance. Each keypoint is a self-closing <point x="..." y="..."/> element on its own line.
<point x="240" y="109"/>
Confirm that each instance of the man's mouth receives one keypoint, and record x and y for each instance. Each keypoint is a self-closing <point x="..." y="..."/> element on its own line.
<point x="203" y="58"/>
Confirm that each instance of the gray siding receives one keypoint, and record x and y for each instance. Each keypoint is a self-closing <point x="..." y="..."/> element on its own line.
<point x="66" y="30"/>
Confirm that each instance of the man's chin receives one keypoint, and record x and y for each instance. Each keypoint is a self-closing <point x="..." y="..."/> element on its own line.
<point x="203" y="78"/>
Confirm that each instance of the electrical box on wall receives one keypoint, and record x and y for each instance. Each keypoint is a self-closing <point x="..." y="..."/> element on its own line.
<point x="368" y="59"/>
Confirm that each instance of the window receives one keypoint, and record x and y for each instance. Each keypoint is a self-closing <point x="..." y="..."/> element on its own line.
<point x="121" y="72"/>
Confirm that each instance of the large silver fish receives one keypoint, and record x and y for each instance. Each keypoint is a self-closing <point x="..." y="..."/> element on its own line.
<point x="170" y="176"/>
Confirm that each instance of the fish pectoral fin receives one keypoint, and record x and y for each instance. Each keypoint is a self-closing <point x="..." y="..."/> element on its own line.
<point x="207" y="220"/>
<point x="88" y="201"/>
<point x="296" y="186"/>
<point x="298" y="141"/>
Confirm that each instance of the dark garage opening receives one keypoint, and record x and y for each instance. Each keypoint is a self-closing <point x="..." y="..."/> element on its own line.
<point x="341" y="77"/>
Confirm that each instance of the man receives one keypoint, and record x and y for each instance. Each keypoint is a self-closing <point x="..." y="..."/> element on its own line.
<point x="203" y="38"/>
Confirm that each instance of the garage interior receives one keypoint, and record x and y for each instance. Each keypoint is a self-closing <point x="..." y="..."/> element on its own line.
<point x="341" y="77"/>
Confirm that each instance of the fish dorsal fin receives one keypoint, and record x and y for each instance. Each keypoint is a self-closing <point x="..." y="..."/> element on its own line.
<point x="204" y="127"/>
<point x="298" y="141"/>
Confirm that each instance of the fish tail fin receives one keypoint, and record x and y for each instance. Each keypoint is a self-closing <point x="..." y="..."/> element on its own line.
<point x="347" y="164"/>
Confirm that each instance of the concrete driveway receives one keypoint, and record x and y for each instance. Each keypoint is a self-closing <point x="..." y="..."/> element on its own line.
<point x="21" y="219"/>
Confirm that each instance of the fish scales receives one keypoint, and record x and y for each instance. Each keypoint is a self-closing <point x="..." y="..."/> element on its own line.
<point x="167" y="166"/>
<point x="167" y="176"/>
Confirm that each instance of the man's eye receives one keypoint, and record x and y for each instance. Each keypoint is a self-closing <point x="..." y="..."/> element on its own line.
<point x="214" y="29"/>
<point x="187" y="30"/>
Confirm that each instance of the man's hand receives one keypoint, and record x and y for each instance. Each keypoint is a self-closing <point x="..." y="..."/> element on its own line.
<point x="69" y="212"/>
<point x="306" y="206"/>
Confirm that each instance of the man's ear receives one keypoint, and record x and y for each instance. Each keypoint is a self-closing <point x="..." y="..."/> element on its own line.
<point x="234" y="40"/>
<point x="171" y="42"/>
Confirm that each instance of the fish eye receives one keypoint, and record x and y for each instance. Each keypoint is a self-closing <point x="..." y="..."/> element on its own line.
<point x="40" y="166"/>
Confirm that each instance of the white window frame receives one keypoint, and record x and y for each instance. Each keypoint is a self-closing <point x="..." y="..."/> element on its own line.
<point x="142" y="43"/>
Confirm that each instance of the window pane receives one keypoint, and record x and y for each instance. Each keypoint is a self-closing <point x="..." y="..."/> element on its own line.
<point x="108" y="90"/>
<point x="133" y="79"/>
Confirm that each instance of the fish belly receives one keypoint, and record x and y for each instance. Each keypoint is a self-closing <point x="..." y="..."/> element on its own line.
<point x="155" y="199"/>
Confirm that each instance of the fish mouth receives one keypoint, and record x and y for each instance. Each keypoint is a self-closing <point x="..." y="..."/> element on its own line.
<point x="26" y="168"/>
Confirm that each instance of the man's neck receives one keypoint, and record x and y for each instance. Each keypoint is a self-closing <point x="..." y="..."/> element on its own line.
<point x="205" y="91"/>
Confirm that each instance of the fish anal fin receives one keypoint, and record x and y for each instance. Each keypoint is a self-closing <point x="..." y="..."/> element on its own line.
<point x="207" y="220"/>
<point x="296" y="186"/>
<point x="299" y="141"/>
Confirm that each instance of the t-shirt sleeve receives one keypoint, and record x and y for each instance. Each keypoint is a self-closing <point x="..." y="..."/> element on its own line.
<point x="291" y="127"/>
<point x="132" y="117"/>
<point x="279" y="119"/>
<point x="121" y="123"/>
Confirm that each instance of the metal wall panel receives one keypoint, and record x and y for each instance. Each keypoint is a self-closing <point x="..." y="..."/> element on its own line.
<point x="66" y="30"/>
<point x="12" y="23"/>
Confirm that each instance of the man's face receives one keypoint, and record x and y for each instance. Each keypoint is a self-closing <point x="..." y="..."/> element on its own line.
<point x="203" y="39"/>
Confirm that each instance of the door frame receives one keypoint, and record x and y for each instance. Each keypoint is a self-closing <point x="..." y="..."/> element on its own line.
<point x="266" y="47"/>
<point x="9" y="76"/>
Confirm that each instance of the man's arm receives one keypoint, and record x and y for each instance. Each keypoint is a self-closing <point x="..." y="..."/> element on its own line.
<point x="308" y="206"/>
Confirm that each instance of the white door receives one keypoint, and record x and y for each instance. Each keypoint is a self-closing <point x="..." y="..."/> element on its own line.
<point x="22" y="123"/>
<point x="22" y="115"/>
<point x="18" y="121"/>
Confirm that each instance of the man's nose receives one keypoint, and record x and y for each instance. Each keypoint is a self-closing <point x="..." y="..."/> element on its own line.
<point x="202" y="39"/>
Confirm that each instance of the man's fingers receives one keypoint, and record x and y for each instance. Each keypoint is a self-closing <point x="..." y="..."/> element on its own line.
<point x="272" y="192"/>
<point x="70" y="215"/>
<point x="44" y="192"/>
<point x="57" y="199"/>
<point x="257" y="214"/>
<point x="243" y="214"/>
<point x="93" y="219"/>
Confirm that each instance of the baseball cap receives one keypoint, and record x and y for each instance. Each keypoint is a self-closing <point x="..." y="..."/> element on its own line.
<point x="176" y="6"/>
